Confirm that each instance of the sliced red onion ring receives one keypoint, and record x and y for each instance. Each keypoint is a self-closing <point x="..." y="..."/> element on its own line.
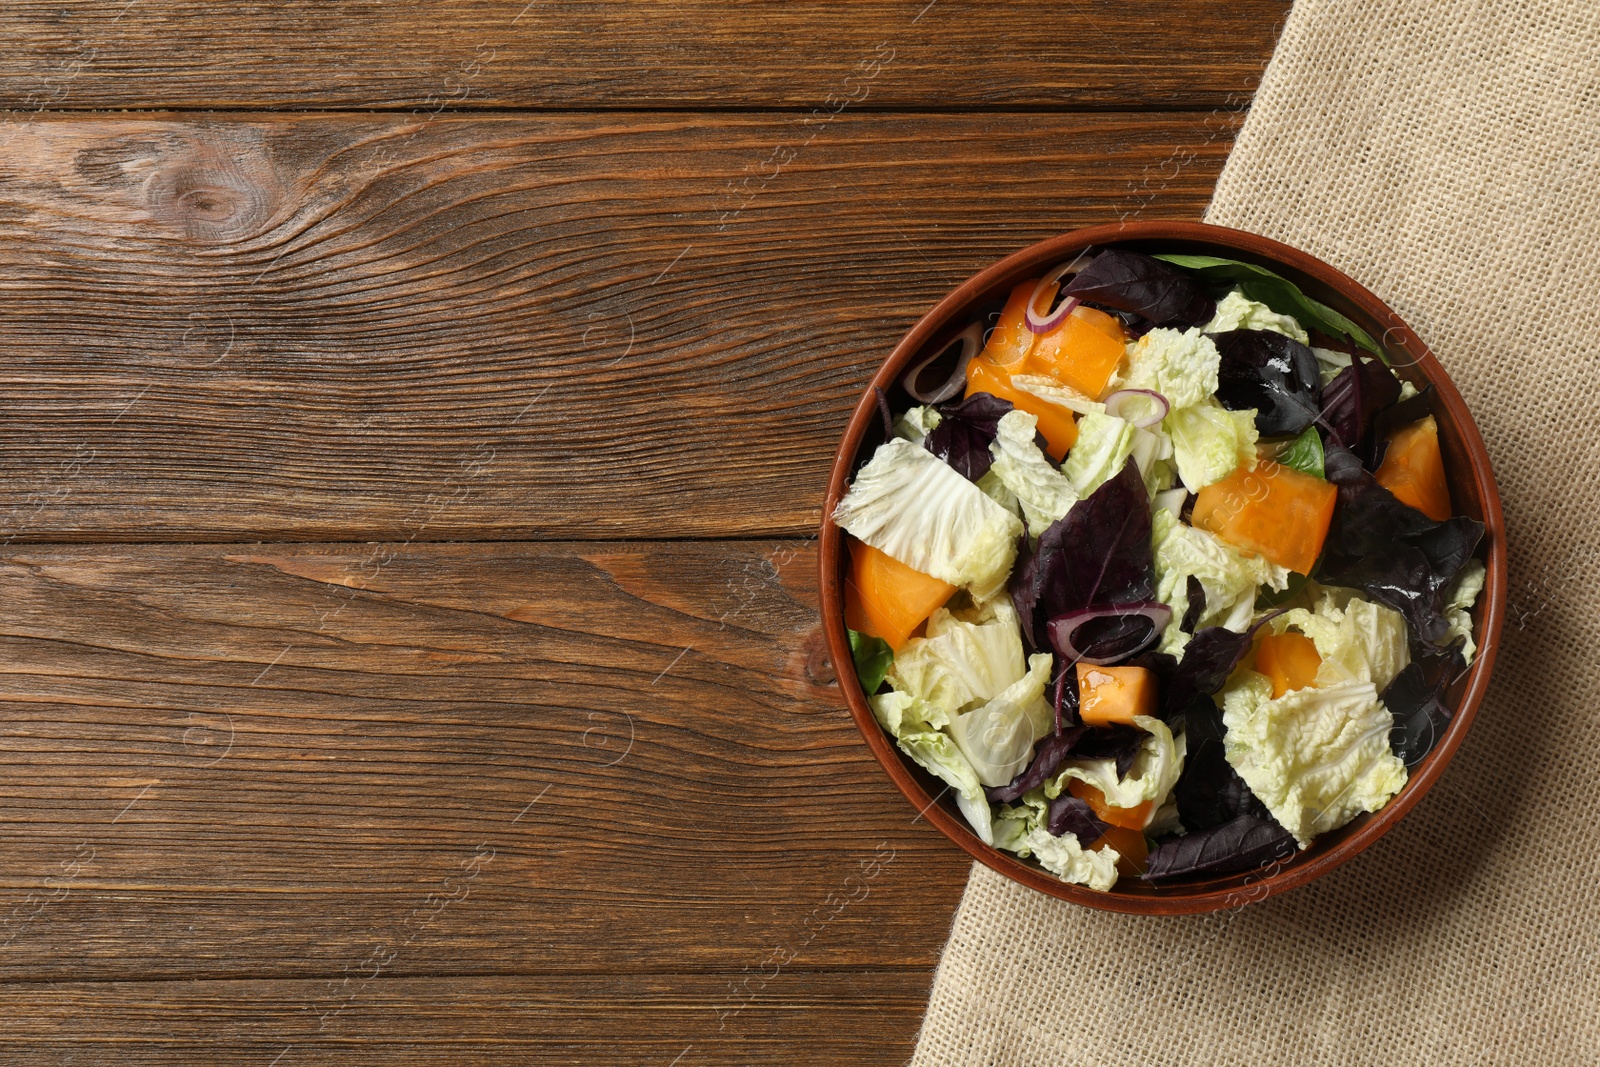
<point x="1039" y="322"/>
<point x="1100" y="636"/>
<point x="1126" y="404"/>
<point x="928" y="382"/>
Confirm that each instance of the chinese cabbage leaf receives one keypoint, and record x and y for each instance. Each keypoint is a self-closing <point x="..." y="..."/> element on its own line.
<point x="911" y="505"/>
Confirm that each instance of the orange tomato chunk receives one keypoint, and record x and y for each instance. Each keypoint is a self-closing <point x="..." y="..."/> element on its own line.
<point x="1109" y="325"/>
<point x="1289" y="659"/>
<point x="1109" y="695"/>
<point x="1413" y="469"/>
<point x="1011" y="340"/>
<point x="1128" y="818"/>
<point x="885" y="598"/>
<point x="1274" y="511"/>
<point x="1080" y="353"/>
<point x="1057" y="424"/>
<point x="1130" y="845"/>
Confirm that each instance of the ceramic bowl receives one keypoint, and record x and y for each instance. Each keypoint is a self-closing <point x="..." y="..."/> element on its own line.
<point x="1472" y="487"/>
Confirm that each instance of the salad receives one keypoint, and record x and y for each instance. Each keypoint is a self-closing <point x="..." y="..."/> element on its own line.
<point x="1156" y="567"/>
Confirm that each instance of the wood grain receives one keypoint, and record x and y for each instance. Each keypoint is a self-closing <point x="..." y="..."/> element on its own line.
<point x="686" y="54"/>
<point x="301" y="761"/>
<point x="373" y="328"/>
<point x="557" y="797"/>
<point x="619" y="1021"/>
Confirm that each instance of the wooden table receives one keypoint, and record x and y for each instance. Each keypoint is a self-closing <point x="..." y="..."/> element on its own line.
<point x="414" y="424"/>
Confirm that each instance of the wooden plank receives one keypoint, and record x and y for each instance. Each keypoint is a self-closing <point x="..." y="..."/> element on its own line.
<point x="650" y="1021"/>
<point x="291" y="761"/>
<point x="692" y="54"/>
<point x="369" y="328"/>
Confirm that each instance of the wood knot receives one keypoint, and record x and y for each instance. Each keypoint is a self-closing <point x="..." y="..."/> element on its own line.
<point x="217" y="189"/>
<point x="818" y="664"/>
<point x="211" y="203"/>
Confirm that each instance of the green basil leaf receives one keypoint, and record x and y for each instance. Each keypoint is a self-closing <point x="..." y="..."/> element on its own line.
<point x="873" y="657"/>
<point x="1277" y="292"/>
<point x="1305" y="454"/>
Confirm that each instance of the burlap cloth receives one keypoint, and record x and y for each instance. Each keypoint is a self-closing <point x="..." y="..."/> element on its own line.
<point x="1447" y="154"/>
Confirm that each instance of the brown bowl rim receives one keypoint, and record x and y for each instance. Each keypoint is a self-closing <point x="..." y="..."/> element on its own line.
<point x="1233" y="891"/>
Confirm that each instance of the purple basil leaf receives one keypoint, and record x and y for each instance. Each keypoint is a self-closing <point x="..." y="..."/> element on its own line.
<point x="1197" y="605"/>
<point x="1402" y="580"/>
<point x="1394" y="553"/>
<point x="1353" y="400"/>
<point x="1048" y="755"/>
<point x="1023" y="585"/>
<point x="1066" y="698"/>
<point x="1119" y="742"/>
<point x="875" y="434"/>
<point x="1098" y="554"/>
<point x="1449" y="545"/>
<point x="1274" y="374"/>
<point x="1147" y="287"/>
<point x="1162" y="664"/>
<point x="1420" y="717"/>
<point x="966" y="430"/>
<point x="1241" y="844"/>
<point x="1396" y="416"/>
<point x="1341" y="408"/>
<point x="1068" y="814"/>
<point x="883" y="412"/>
<point x="1208" y="659"/>
<point x="1059" y="687"/>
<point x="1367" y="517"/>
<point x="1209" y="791"/>
<point x="1446" y="659"/>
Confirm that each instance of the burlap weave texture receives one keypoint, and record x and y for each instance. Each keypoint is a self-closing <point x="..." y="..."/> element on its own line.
<point x="1446" y="154"/>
